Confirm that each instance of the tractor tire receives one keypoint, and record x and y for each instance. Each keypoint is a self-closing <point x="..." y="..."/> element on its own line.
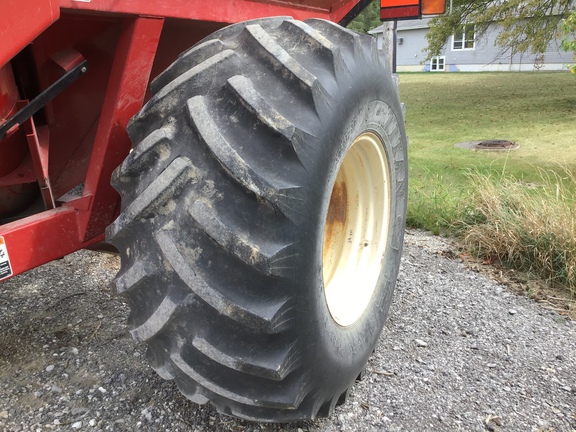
<point x="262" y="217"/>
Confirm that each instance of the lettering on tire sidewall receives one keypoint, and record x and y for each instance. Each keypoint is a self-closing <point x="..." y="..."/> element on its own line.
<point x="5" y="267"/>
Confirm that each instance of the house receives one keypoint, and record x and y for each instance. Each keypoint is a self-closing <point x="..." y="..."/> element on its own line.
<point x="465" y="52"/>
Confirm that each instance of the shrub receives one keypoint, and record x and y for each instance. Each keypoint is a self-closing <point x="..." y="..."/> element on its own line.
<point x="568" y="28"/>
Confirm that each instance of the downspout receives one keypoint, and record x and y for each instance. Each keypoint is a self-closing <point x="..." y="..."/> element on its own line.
<point x="395" y="46"/>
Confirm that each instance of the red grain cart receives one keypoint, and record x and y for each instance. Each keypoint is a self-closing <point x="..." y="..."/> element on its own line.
<point x="253" y="184"/>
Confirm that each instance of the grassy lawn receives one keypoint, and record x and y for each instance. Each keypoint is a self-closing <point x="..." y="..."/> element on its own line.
<point x="536" y="110"/>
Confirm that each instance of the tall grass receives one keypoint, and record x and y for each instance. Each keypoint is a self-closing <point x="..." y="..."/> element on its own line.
<point x="437" y="205"/>
<point x="516" y="207"/>
<point x="530" y="227"/>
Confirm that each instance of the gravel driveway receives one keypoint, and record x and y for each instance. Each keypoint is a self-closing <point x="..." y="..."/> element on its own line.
<point x="460" y="352"/>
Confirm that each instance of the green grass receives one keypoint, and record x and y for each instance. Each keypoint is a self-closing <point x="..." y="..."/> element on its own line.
<point x="536" y="110"/>
<point x="517" y="207"/>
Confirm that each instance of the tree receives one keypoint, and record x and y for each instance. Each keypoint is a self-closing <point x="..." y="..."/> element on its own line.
<point x="528" y="25"/>
<point x="568" y="28"/>
<point x="368" y="19"/>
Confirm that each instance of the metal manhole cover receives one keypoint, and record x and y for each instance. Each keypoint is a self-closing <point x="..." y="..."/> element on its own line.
<point x="489" y="145"/>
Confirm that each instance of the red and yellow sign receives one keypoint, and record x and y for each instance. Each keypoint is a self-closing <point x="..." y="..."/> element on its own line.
<point x="407" y="9"/>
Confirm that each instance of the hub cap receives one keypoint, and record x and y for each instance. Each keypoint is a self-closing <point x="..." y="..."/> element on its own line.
<point x="356" y="229"/>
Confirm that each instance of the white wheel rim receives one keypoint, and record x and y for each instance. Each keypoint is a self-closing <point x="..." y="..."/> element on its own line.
<point x="356" y="229"/>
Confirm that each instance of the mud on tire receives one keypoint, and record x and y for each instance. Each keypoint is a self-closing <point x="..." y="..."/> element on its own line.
<point x="229" y="220"/>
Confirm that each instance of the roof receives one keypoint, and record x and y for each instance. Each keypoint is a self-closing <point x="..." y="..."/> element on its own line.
<point x="405" y="25"/>
<point x="413" y="24"/>
<point x="376" y="30"/>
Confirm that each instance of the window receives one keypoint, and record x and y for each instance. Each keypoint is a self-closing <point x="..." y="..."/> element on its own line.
<point x="464" y="39"/>
<point x="437" y="64"/>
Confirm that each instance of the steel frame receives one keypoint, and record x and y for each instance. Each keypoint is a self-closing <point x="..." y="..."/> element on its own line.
<point x="78" y="222"/>
<point x="230" y="11"/>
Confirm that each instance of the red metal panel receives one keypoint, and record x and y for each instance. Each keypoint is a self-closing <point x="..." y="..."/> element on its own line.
<point x="223" y="11"/>
<point x="12" y="148"/>
<point x="124" y="97"/>
<point x="339" y="11"/>
<point x="74" y="114"/>
<point x="397" y="3"/>
<point x="8" y="93"/>
<point x="400" y="12"/>
<point x="329" y="5"/>
<point x="22" y="21"/>
<point x="41" y="238"/>
<point x="399" y="9"/>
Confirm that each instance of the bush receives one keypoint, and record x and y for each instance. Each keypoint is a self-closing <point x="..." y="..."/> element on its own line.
<point x="568" y="28"/>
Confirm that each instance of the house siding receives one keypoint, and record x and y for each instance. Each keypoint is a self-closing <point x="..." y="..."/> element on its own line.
<point x="409" y="47"/>
<point x="486" y="56"/>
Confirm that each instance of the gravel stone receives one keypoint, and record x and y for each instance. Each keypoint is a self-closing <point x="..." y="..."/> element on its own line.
<point x="462" y="316"/>
<point x="79" y="411"/>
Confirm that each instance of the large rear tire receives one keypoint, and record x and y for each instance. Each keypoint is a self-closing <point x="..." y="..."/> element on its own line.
<point x="263" y="212"/>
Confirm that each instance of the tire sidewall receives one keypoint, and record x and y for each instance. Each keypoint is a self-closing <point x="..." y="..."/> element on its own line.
<point x="340" y="353"/>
